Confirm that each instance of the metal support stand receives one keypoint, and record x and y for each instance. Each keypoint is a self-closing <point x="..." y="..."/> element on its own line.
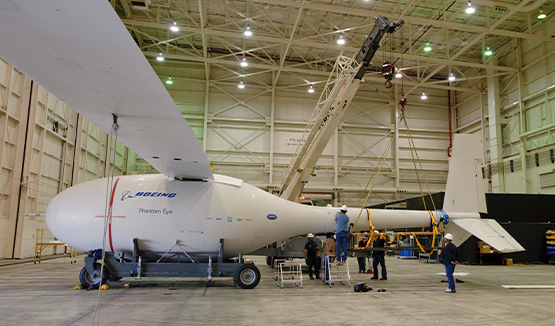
<point x="247" y="274"/>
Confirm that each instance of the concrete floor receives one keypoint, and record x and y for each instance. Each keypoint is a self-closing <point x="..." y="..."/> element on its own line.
<point x="43" y="294"/>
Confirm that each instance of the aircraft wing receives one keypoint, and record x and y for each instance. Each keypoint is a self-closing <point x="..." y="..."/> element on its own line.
<point x="489" y="231"/>
<point x="80" y="51"/>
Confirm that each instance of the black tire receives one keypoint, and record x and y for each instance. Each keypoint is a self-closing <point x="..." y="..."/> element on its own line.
<point x="247" y="276"/>
<point x="93" y="281"/>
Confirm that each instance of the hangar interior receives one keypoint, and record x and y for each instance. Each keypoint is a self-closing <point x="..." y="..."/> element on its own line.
<point x="247" y="76"/>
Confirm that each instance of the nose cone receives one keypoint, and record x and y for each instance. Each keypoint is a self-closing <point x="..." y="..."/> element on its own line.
<point x="69" y="216"/>
<point x="51" y="216"/>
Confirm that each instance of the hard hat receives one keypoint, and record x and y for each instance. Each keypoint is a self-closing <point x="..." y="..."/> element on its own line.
<point x="344" y="208"/>
<point x="376" y="231"/>
<point x="363" y="237"/>
<point x="449" y="236"/>
<point x="310" y="235"/>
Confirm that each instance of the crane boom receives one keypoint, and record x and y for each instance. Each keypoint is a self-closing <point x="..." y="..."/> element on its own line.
<point x="333" y="103"/>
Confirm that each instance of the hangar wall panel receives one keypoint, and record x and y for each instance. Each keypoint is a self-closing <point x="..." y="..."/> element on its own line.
<point x="38" y="135"/>
<point x="527" y="115"/>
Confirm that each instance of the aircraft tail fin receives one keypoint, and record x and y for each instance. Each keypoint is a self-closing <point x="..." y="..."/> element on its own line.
<point x="487" y="230"/>
<point x="464" y="191"/>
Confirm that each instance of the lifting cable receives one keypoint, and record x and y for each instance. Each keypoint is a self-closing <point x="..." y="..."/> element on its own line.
<point x="380" y="165"/>
<point x="415" y="158"/>
<point x="109" y="189"/>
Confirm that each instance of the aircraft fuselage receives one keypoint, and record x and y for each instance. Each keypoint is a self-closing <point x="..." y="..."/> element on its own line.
<point x="194" y="214"/>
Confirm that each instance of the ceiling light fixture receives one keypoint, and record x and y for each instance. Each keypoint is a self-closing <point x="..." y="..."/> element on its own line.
<point x="248" y="31"/>
<point x="423" y="96"/>
<point x="244" y="63"/>
<point x="488" y="52"/>
<point x="169" y="81"/>
<point x="452" y="77"/>
<point x="470" y="9"/>
<point x="311" y="90"/>
<point x="541" y="15"/>
<point x="241" y="85"/>
<point x="341" y="40"/>
<point x="427" y="48"/>
<point x="174" y="27"/>
<point x="160" y="57"/>
<point x="399" y="74"/>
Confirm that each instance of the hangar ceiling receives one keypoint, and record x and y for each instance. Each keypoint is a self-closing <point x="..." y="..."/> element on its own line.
<point x="299" y="37"/>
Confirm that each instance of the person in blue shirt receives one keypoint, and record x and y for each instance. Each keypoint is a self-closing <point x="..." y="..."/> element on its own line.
<point x="378" y="256"/>
<point x="311" y="251"/>
<point x="450" y="260"/>
<point x="342" y="234"/>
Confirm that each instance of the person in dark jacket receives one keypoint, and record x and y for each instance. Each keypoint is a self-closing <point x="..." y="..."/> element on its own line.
<point x="311" y="253"/>
<point x="450" y="256"/>
<point x="379" y="256"/>
<point x="362" y="260"/>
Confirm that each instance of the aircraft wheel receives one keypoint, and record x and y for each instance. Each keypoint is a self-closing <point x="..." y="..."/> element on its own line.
<point x="247" y="276"/>
<point x="93" y="281"/>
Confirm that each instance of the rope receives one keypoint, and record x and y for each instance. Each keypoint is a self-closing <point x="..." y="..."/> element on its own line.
<point x="371" y="230"/>
<point x="109" y="189"/>
<point x="413" y="153"/>
<point x="380" y="165"/>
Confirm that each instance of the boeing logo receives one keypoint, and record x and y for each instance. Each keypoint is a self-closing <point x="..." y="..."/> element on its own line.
<point x="127" y="194"/>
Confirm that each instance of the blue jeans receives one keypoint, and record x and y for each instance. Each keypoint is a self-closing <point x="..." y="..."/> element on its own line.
<point x="342" y="238"/>
<point x="449" y="269"/>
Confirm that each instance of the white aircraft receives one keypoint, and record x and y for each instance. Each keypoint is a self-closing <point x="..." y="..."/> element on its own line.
<point x="80" y="51"/>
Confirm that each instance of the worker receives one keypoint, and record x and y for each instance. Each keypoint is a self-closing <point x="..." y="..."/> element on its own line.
<point x="329" y="247"/>
<point x="362" y="260"/>
<point x="378" y="256"/>
<point x="450" y="256"/>
<point x="342" y="234"/>
<point x="311" y="253"/>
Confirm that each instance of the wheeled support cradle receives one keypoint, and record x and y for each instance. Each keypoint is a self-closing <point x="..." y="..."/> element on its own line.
<point x="247" y="275"/>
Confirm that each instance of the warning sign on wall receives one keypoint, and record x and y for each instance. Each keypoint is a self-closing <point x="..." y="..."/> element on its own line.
<point x="292" y="141"/>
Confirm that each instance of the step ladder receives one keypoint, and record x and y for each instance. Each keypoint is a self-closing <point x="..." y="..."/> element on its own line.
<point x="335" y="271"/>
<point x="40" y="246"/>
<point x="288" y="272"/>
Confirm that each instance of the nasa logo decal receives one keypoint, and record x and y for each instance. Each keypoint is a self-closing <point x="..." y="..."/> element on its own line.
<point x="271" y="216"/>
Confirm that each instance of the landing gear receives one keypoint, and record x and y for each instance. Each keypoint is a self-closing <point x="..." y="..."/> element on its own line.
<point x="93" y="280"/>
<point x="247" y="276"/>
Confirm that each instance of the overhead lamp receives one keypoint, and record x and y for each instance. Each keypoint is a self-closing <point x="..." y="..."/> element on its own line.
<point x="541" y="15"/>
<point x="470" y="9"/>
<point x="244" y="63"/>
<point x="169" y="81"/>
<point x="248" y="31"/>
<point x="241" y="85"/>
<point x="341" y="40"/>
<point x="488" y="52"/>
<point x="399" y="74"/>
<point x="424" y="96"/>
<point x="452" y="77"/>
<point x="427" y="48"/>
<point x="174" y="27"/>
<point x="160" y="57"/>
<point x="311" y="90"/>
